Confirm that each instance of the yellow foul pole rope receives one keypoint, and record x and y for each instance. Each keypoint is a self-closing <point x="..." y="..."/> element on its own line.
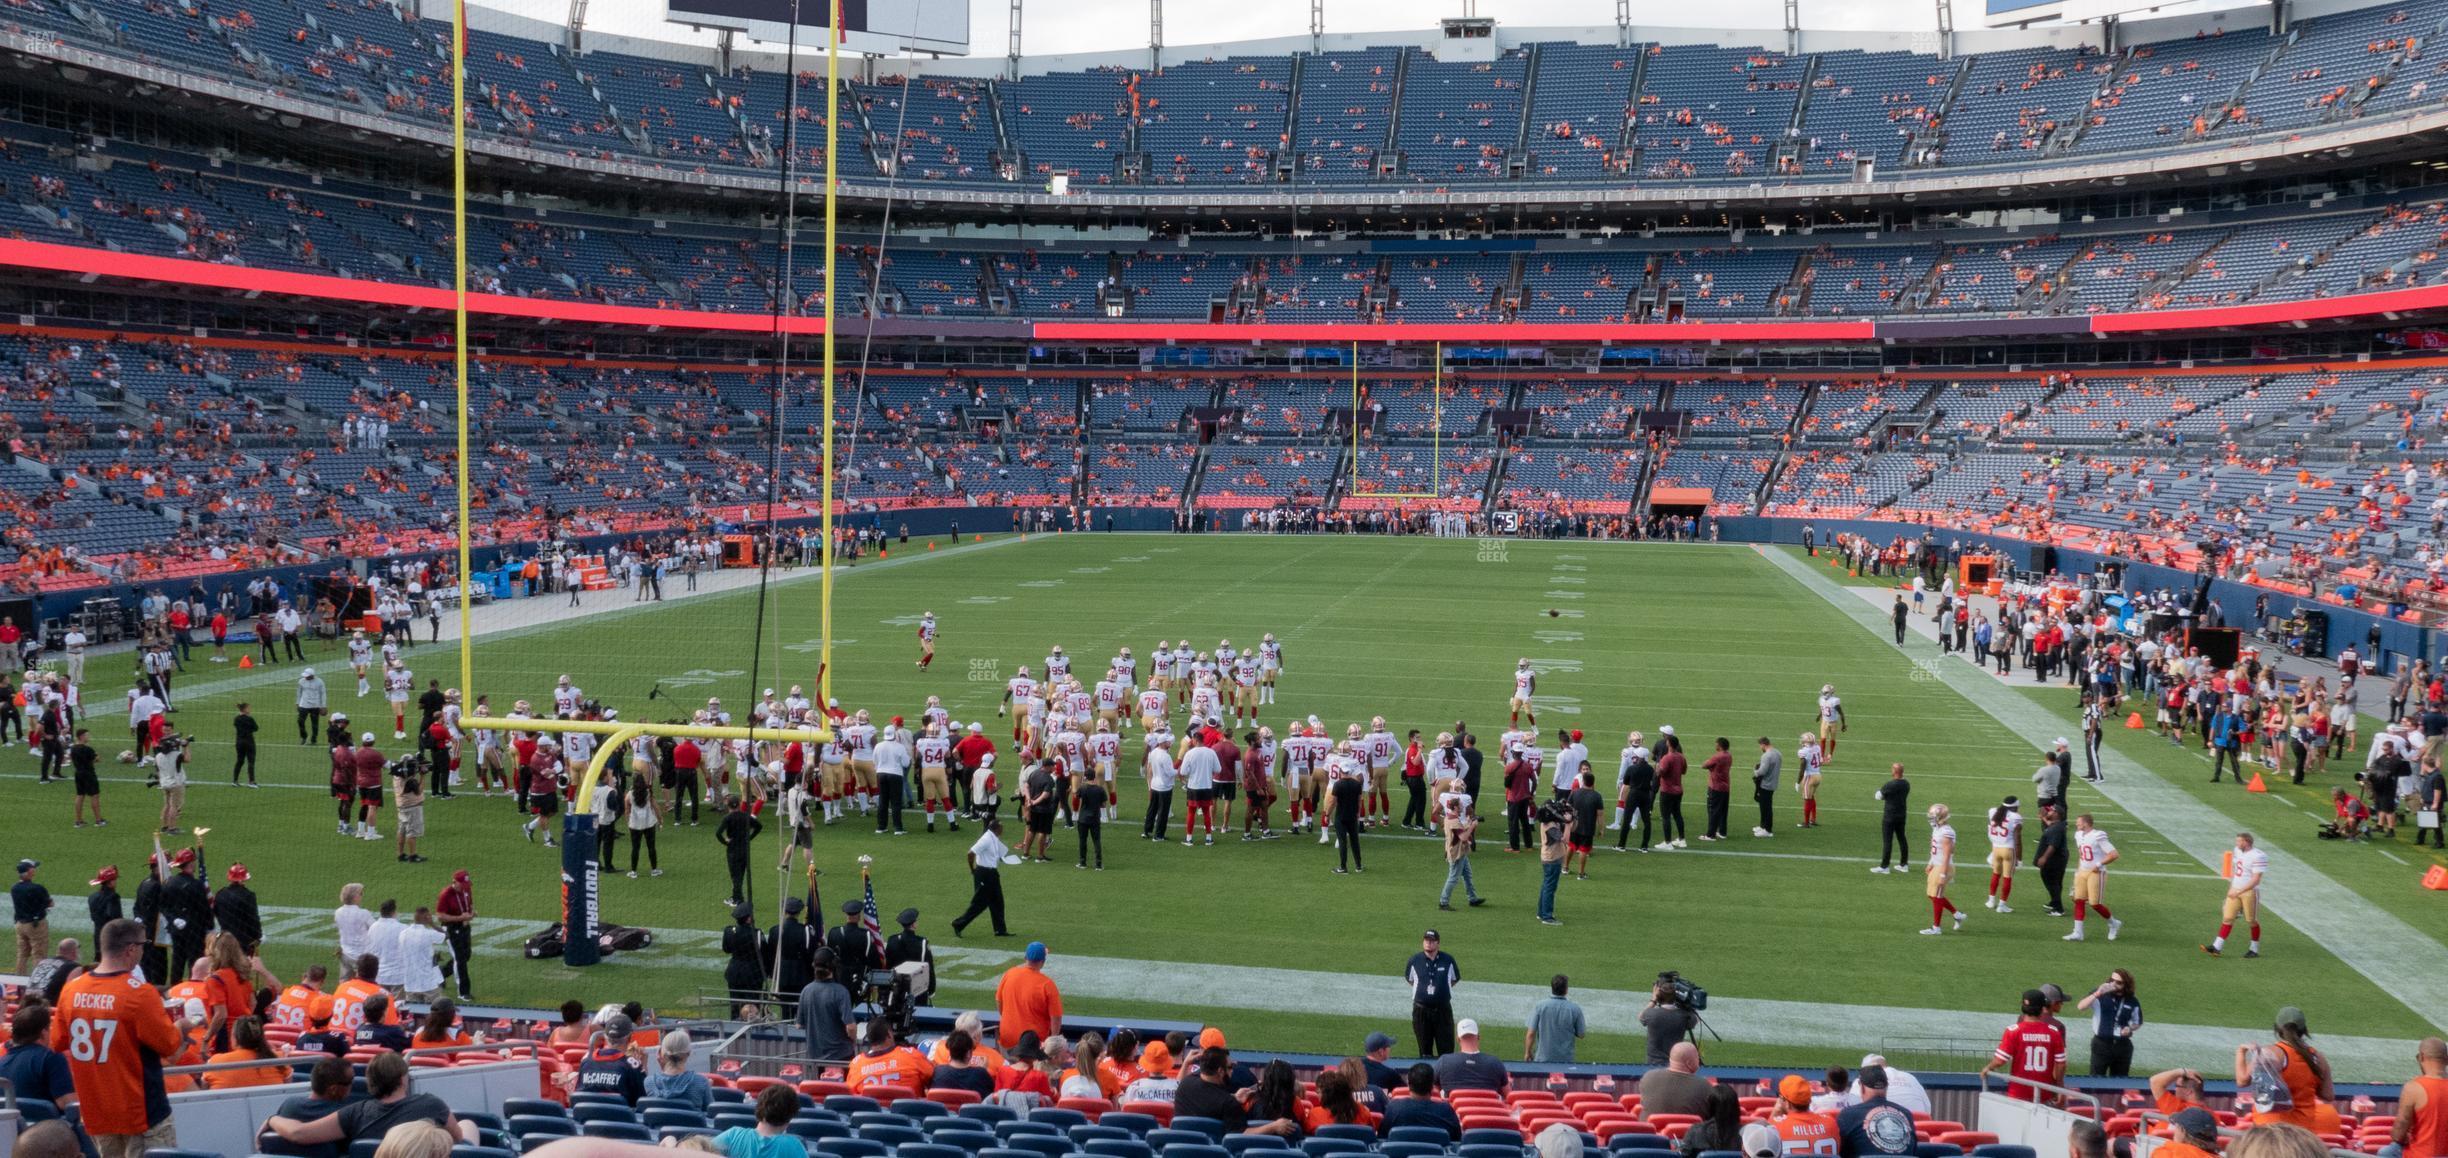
<point x="831" y="206"/>
<point x="459" y="344"/>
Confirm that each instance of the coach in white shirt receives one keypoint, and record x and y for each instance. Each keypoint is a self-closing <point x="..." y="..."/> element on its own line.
<point x="1160" y="776"/>
<point x="892" y="764"/>
<point x="353" y="923"/>
<point x="383" y="941"/>
<point x="420" y="977"/>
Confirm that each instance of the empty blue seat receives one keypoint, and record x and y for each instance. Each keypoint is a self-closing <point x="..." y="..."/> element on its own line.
<point x="1000" y="1152"/>
<point x="480" y="1119"/>
<point x="820" y="1129"/>
<point x="1348" y="1131"/>
<point x="1058" y="1117"/>
<point x="1049" y="1145"/>
<point x="1090" y="1132"/>
<point x="892" y="1137"/>
<point x="1167" y="1136"/>
<point x="981" y="1112"/>
<point x="1208" y="1126"/>
<point x="1137" y="1124"/>
<point x="592" y="1098"/>
<point x="1021" y="1127"/>
<point x="921" y="1109"/>
<point x="727" y="1094"/>
<point x="1322" y="1147"/>
<point x="1244" y="1143"/>
<point x="645" y="1104"/>
<point x="851" y="1148"/>
<point x="1119" y="1148"/>
<point x="593" y="1112"/>
<point x="1488" y="1149"/>
<point x="928" y="1150"/>
<point x="659" y="1118"/>
<point x="847" y="1104"/>
<point x="168" y="1152"/>
<point x="1426" y="1135"/>
<point x="533" y="1107"/>
<point x="1721" y="1154"/>
<point x="364" y="1147"/>
<point x="970" y="1141"/>
<point x="1196" y="1152"/>
<point x="1640" y="1142"/>
<point x="1937" y="1150"/>
<point x="1410" y="1149"/>
<point x="464" y="1150"/>
<point x="677" y="1132"/>
<point x="726" y="1120"/>
<point x="533" y="1125"/>
<point x="619" y="1131"/>
<point x="1486" y="1137"/>
<point x="2004" y="1150"/>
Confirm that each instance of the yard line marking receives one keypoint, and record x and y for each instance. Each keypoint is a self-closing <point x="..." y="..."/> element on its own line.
<point x="2392" y="856"/>
<point x="1801" y="1024"/>
<point x="2381" y="946"/>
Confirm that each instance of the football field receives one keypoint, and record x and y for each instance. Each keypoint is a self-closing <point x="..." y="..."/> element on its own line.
<point x="1811" y="959"/>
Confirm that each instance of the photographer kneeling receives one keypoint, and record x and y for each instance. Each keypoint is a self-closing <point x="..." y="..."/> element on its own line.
<point x="1668" y="1019"/>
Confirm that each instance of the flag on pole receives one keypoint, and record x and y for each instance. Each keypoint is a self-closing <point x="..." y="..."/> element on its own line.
<point x="868" y="920"/>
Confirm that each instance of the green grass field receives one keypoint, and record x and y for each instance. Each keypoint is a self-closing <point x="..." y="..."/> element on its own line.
<point x="1263" y="939"/>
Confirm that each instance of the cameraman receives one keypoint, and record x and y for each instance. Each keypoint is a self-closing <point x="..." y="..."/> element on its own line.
<point x="1667" y="1020"/>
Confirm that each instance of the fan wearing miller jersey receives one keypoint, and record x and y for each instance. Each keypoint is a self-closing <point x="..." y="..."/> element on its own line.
<point x="1525" y="685"/>
<point x="2092" y="856"/>
<point x="2005" y="853"/>
<point x="926" y="640"/>
<point x="2032" y="1049"/>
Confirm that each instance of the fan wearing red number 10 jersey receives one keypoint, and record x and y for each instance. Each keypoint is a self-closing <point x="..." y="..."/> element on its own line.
<point x="2032" y="1049"/>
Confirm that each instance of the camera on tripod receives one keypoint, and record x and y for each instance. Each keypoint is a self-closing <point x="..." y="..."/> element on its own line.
<point x="895" y="992"/>
<point x="1682" y="994"/>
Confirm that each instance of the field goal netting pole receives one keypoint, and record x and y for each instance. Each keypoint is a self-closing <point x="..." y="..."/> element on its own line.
<point x="581" y="868"/>
<point x="1436" y="429"/>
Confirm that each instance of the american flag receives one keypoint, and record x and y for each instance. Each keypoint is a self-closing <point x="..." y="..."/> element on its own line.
<point x="868" y="919"/>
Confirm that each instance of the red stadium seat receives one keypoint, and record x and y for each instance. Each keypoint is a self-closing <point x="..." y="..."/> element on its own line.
<point x="1095" y="1108"/>
<point x="953" y="1099"/>
<point x="822" y="1090"/>
<point x="887" y="1095"/>
<point x="1966" y="1139"/>
<point x="1161" y="1111"/>
<point x="752" y="1085"/>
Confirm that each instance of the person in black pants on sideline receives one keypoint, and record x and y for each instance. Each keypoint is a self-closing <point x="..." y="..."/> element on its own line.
<point x="1345" y="792"/>
<point x="243" y="728"/>
<point x="1894" y="797"/>
<point x="734" y="832"/>
<point x="2050" y="856"/>
<point x="1432" y="973"/>
<point x="1088" y="812"/>
<point x="985" y="880"/>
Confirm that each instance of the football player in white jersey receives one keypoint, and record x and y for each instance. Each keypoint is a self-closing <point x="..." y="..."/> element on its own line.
<point x="1104" y="754"/>
<point x="1125" y="669"/>
<point x="934" y="752"/>
<point x="832" y="777"/>
<point x="796" y="705"/>
<point x="1017" y="691"/>
<point x="858" y="742"/>
<point x="1078" y="703"/>
<point x="2005" y="853"/>
<point x="1152" y="707"/>
<point x="1381" y="749"/>
<point x="2092" y="856"/>
<point x="1203" y="700"/>
<point x="1525" y="685"/>
<point x="1245" y="691"/>
<point x="935" y="713"/>
<point x="1057" y="665"/>
<point x="361" y="658"/>
<point x="1831" y="721"/>
<point x="1300" y="765"/>
<point x="398" y="681"/>
<point x="926" y="640"/>
<point x="1807" y="759"/>
<point x="1202" y="670"/>
<point x="2247" y="867"/>
<point x="1940" y="872"/>
<point x="1160" y="666"/>
<point x="1270" y="665"/>
<point x="1225" y="655"/>
<point x="566" y="698"/>
<point x="489" y="753"/>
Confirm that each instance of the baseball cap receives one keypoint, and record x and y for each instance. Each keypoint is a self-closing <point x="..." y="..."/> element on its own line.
<point x="2291" y="1015"/>
<point x="2194" y="1122"/>
<point x="1760" y="1140"/>
<point x="1430" y="935"/>
<point x="1467" y="1027"/>
<point x="2051" y="994"/>
<point x="1036" y="951"/>
<point x="108" y="874"/>
<point x="307" y="672"/>
<point x="1794" y="1088"/>
<point x="1211" y="1038"/>
<point x="618" y="1027"/>
<point x="366" y="738"/>
<point x="1666" y="729"/>
<point x="975" y="729"/>
<point x="238" y="873"/>
<point x="28" y="865"/>
<point x="319" y="1011"/>
<point x="1576" y="735"/>
<point x="1376" y="1040"/>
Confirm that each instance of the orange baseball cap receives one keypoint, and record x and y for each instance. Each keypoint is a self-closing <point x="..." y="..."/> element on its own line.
<point x="319" y="1011"/>
<point x="1211" y="1038"/>
<point x="1795" y="1089"/>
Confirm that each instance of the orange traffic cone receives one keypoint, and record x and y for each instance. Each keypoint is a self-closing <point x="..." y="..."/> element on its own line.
<point x="245" y="662"/>
<point x="2436" y="877"/>
<point x="883" y="552"/>
<point x="977" y="538"/>
<point x="930" y="544"/>
<point x="2256" y="785"/>
<point x="2134" y="721"/>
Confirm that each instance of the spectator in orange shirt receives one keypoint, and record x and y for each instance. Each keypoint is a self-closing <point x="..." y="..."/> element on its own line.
<point x="2175" y="1090"/>
<point x="887" y="1062"/>
<point x="246" y="1044"/>
<point x="969" y="1022"/>
<point x="120" y="1093"/>
<point x="1028" y="1000"/>
<point x="2196" y="1132"/>
<point x="1336" y="1105"/>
